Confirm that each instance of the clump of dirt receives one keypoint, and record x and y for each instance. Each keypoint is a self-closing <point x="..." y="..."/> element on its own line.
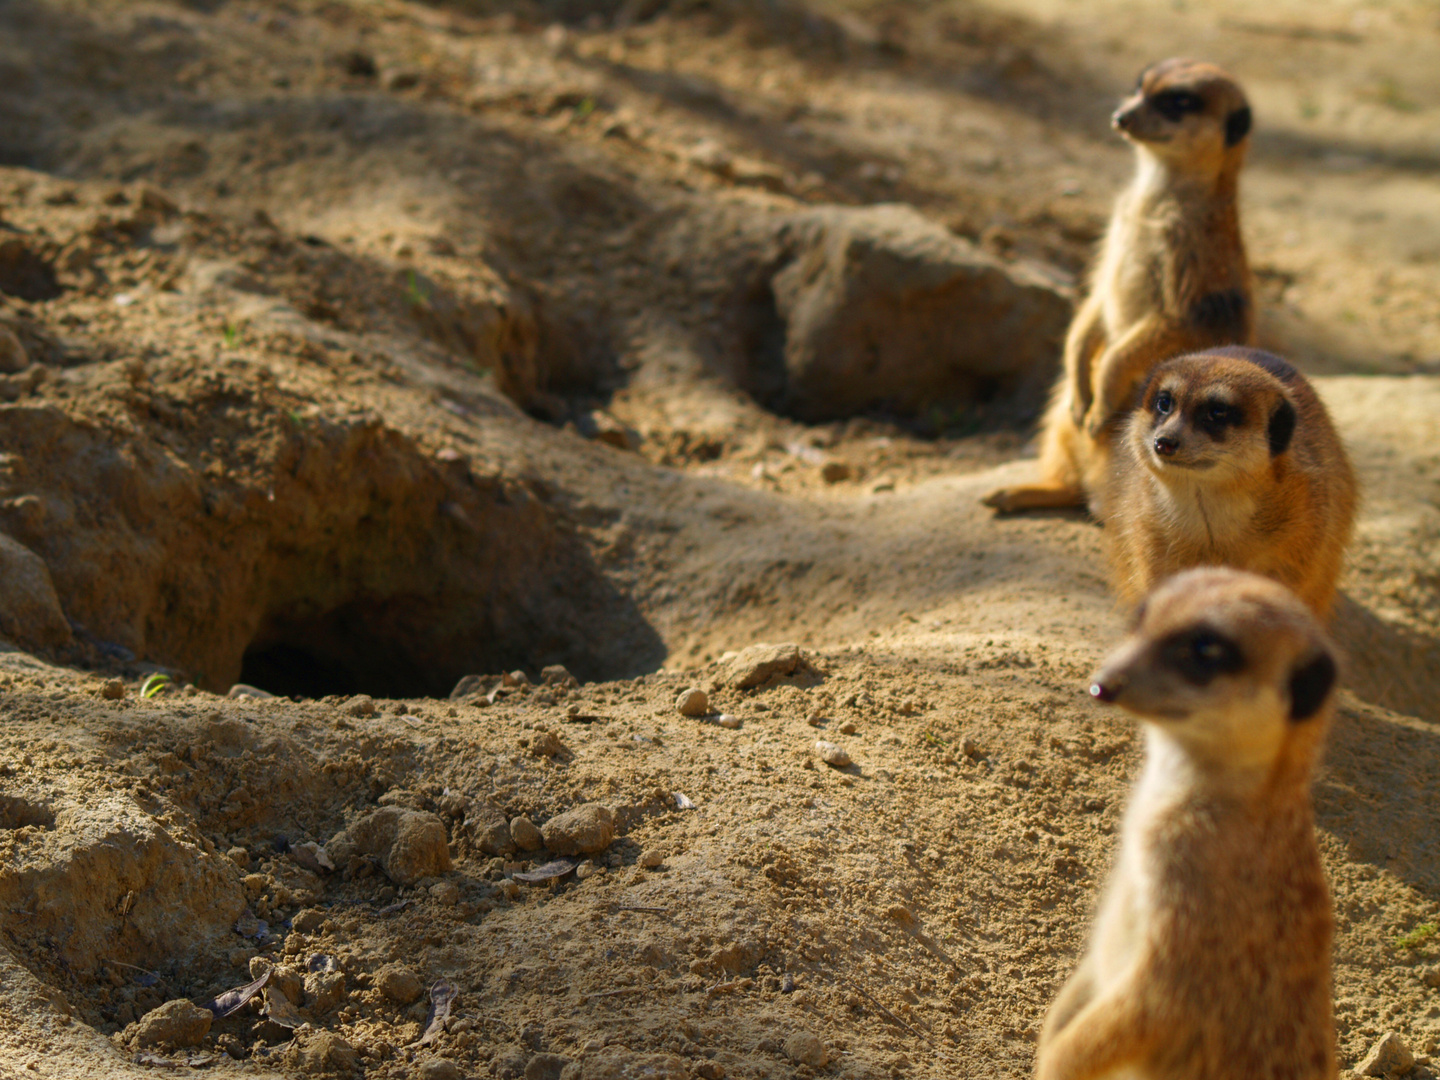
<point x="353" y="352"/>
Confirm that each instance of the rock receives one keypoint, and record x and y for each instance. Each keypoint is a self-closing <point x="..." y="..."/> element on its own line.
<point x="582" y="830"/>
<point x="693" y="702"/>
<point x="468" y="684"/>
<point x="515" y="679"/>
<point x="1388" y="1057"/>
<point x="30" y="612"/>
<point x="324" y="990"/>
<point x="312" y="857"/>
<point x="725" y="720"/>
<point x="848" y="728"/>
<point x="709" y="1070"/>
<point x="547" y="744"/>
<point x="176" y="1023"/>
<point x="803" y="1048"/>
<point x="113" y="690"/>
<point x="289" y="981"/>
<point x="526" y="834"/>
<point x="359" y="705"/>
<point x="545" y="1067"/>
<point x="326" y="1052"/>
<point x="884" y="308"/>
<point x="399" y="984"/>
<point x="13" y="357"/>
<point x="446" y="892"/>
<point x="558" y="675"/>
<point x="651" y="858"/>
<point x="245" y="690"/>
<point x="486" y="825"/>
<point x="1431" y="976"/>
<point x="588" y="869"/>
<point x="239" y="856"/>
<point x="835" y="472"/>
<point x="439" y="1068"/>
<point x="308" y="920"/>
<point x="411" y="844"/>
<point x="831" y="754"/>
<point x="760" y="663"/>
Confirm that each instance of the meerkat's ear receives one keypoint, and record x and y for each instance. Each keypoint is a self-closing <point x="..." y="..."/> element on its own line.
<point x="1237" y="125"/>
<point x="1310" y="685"/>
<point x="1282" y="427"/>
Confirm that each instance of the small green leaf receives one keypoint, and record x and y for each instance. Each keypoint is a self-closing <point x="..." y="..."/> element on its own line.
<point x="1421" y="934"/>
<point x="153" y="685"/>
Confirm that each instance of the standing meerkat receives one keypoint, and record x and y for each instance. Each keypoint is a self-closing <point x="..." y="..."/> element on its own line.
<point x="1230" y="459"/>
<point x="1209" y="958"/>
<point x="1171" y="277"/>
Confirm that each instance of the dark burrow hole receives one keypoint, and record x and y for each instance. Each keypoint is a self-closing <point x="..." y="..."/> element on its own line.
<point x="16" y="813"/>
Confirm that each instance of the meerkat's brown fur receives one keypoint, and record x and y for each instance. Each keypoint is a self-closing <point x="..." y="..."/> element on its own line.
<point x="1171" y="277"/>
<point x="1210" y="954"/>
<point x="1230" y="459"/>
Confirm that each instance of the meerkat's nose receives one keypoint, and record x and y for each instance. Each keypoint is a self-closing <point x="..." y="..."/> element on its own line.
<point x="1108" y="690"/>
<point x="1165" y="445"/>
<point x="1121" y="119"/>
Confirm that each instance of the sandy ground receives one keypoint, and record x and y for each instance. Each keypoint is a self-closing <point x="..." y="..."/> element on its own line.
<point x="293" y="251"/>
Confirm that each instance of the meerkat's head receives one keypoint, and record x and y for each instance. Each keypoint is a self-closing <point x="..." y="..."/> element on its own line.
<point x="1230" y="664"/>
<point x="1216" y="416"/>
<point x="1189" y="114"/>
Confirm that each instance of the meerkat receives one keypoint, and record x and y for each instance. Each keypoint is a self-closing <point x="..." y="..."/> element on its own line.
<point x="1209" y="956"/>
<point x="1172" y="276"/>
<point x="1230" y="459"/>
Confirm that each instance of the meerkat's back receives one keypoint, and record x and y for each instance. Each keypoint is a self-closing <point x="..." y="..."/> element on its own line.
<point x="1210" y="954"/>
<point x="1231" y="459"/>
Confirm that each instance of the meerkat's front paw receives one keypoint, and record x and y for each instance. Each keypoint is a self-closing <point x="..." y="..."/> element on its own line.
<point x="1001" y="499"/>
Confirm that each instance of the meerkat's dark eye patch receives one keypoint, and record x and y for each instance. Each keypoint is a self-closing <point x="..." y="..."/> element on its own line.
<point x="1201" y="654"/>
<point x="1237" y="125"/>
<point x="1281" y="427"/>
<point x="1214" y="416"/>
<point x="1310" y="685"/>
<point x="1174" y="105"/>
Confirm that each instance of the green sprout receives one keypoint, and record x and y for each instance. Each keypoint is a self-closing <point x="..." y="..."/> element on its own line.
<point x="154" y="684"/>
<point x="230" y="334"/>
<point x="585" y="108"/>
<point x="415" y="292"/>
<point x="1421" y="934"/>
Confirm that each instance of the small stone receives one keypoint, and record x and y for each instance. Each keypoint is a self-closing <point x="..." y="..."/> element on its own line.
<point x="582" y="830"/>
<point x="468" y="684"/>
<point x="312" y="857"/>
<point x="848" y="728"/>
<point x="1431" y="976"/>
<point x="816" y="720"/>
<point x="760" y="663"/>
<point x="245" y="690"/>
<point x="1389" y="1056"/>
<point x="13" y="358"/>
<point x="515" y="678"/>
<point x="725" y="720"/>
<point x="546" y="744"/>
<point x="324" y="990"/>
<point x="439" y="1068"/>
<point x="526" y="834"/>
<point x="290" y="982"/>
<point x="411" y="844"/>
<point x="486" y="824"/>
<point x="831" y="754"/>
<point x="545" y="1067"/>
<point x="693" y="702"/>
<point x="970" y="748"/>
<point x="901" y="914"/>
<point x="588" y="869"/>
<point x="710" y="1070"/>
<point x="326" y="1052"/>
<point x="239" y="856"/>
<point x="176" y="1023"/>
<point x="308" y="921"/>
<point x="255" y="884"/>
<point x="359" y="705"/>
<point x="446" y="892"/>
<point x="113" y="690"/>
<point x="834" y="472"/>
<point x="804" y="1048"/>
<point x="558" y="675"/>
<point x="651" y="858"/>
<point x="399" y="984"/>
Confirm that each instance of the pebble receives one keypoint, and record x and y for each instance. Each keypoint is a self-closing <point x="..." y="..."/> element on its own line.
<point x="239" y="856"/>
<point x="1388" y="1056"/>
<point x="835" y="472"/>
<point x="804" y="1048"/>
<point x="359" y="705"/>
<point x="113" y="690"/>
<point x="651" y="858"/>
<point x="725" y="720"/>
<point x="588" y="869"/>
<point x="327" y="1052"/>
<point x="526" y="834"/>
<point x="439" y="1068"/>
<point x="446" y="892"/>
<point x="558" y="675"/>
<point x="760" y="663"/>
<point x="13" y="358"/>
<point x="324" y="990"/>
<point x="545" y="1067"/>
<point x="546" y="744"/>
<point x="399" y="984"/>
<point x="582" y="830"/>
<point x="848" y="728"/>
<point x="1431" y="976"/>
<point x="176" y="1023"/>
<point x="831" y="754"/>
<point x="693" y="702"/>
<point x="515" y="678"/>
<point x="308" y="921"/>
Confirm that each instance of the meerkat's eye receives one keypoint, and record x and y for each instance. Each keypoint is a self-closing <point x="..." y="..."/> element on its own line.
<point x="1164" y="403"/>
<point x="1174" y="104"/>
<point x="1200" y="655"/>
<point x="1223" y="414"/>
